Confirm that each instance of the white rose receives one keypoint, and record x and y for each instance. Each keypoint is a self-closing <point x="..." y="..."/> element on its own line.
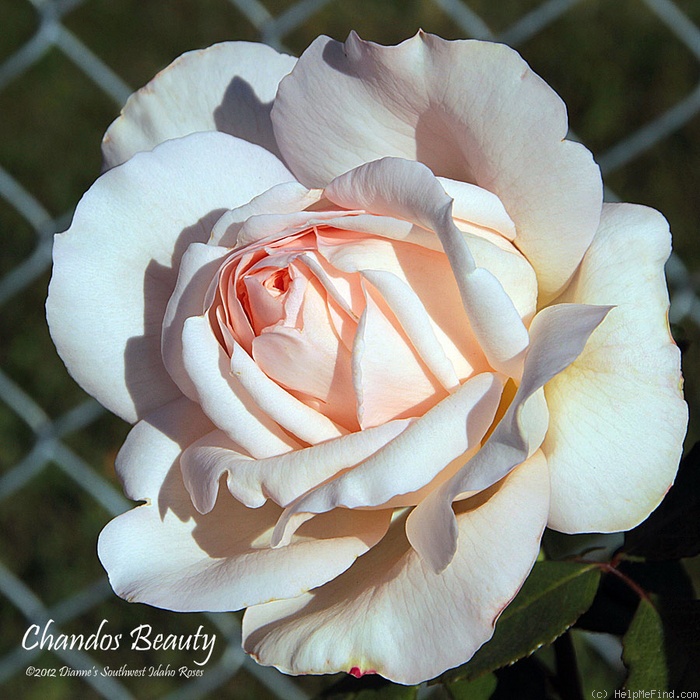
<point x="382" y="297"/>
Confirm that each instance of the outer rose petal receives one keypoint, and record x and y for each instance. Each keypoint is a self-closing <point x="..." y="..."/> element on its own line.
<point x="469" y="110"/>
<point x="617" y="415"/>
<point x="227" y="87"/>
<point x="168" y="555"/>
<point x="159" y="438"/>
<point x="116" y="267"/>
<point x="558" y="335"/>
<point x="391" y="614"/>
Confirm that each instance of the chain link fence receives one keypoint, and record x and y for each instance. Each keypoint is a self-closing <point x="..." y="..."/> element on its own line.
<point x="54" y="448"/>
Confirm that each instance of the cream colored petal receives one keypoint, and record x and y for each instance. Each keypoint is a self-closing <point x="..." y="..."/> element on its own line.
<point x="158" y="439"/>
<point x="412" y="459"/>
<point x="293" y="415"/>
<point x="410" y="312"/>
<point x="198" y="268"/>
<point x="478" y="206"/>
<point x="617" y="415"/>
<point x="471" y="111"/>
<point x="390" y="379"/>
<point x="404" y="189"/>
<point x="116" y="267"/>
<point x="227" y="87"/>
<point x="168" y="555"/>
<point x="283" y="478"/>
<point x="414" y="256"/>
<point x="309" y="359"/>
<point x="222" y="398"/>
<point x="391" y="614"/>
<point x="558" y="335"/>
<point x="286" y="198"/>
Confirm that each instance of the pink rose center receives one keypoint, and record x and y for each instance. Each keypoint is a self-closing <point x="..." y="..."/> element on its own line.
<point x="315" y="325"/>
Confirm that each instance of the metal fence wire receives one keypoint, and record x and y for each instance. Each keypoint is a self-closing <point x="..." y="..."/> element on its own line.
<point x="49" y="461"/>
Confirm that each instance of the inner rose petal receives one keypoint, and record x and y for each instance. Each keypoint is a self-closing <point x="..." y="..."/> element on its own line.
<point x="298" y="305"/>
<point x="425" y="271"/>
<point x="391" y="381"/>
<point x="309" y="358"/>
<point x="265" y="294"/>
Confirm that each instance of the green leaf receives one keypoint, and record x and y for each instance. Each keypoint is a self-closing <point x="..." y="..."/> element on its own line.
<point x="615" y="602"/>
<point x="479" y="689"/>
<point x="661" y="648"/>
<point x="643" y="650"/>
<point x="672" y="531"/>
<point x="550" y="601"/>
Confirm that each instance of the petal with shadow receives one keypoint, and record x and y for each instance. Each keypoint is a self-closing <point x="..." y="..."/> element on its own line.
<point x="617" y="415"/>
<point x="227" y="87"/>
<point x="168" y="555"/>
<point x="472" y="111"/>
<point x="116" y="267"/>
<point x="393" y="615"/>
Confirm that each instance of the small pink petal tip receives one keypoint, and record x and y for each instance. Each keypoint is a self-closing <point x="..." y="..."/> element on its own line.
<point x="355" y="671"/>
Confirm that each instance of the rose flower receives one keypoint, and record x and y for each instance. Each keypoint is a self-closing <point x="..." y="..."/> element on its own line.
<point x="376" y="330"/>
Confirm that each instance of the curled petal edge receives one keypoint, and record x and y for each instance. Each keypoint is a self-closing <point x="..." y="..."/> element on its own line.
<point x="558" y="335"/>
<point x="408" y="190"/>
<point x="383" y="476"/>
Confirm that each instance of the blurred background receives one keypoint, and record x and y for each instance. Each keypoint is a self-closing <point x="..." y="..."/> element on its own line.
<point x="629" y="71"/>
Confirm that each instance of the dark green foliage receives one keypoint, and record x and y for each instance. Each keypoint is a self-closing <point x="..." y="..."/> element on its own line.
<point x="616" y="66"/>
<point x="480" y="688"/>
<point x="662" y="645"/>
<point x="550" y="601"/>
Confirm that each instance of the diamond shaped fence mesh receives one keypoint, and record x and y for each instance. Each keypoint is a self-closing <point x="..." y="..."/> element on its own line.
<point x="630" y="74"/>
